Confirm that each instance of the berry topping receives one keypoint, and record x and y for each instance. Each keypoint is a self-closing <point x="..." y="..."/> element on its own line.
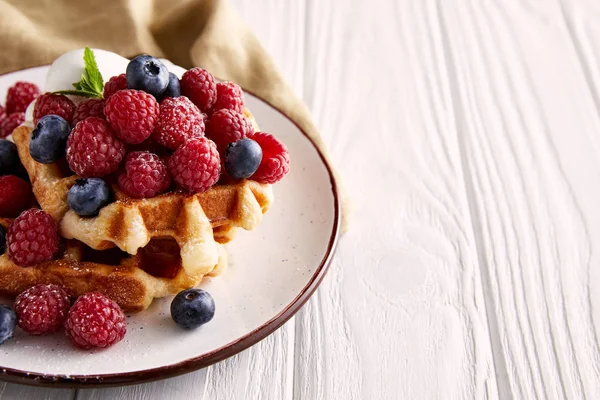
<point x="192" y="308"/>
<point x="173" y="88"/>
<point x="15" y="196"/>
<point x="32" y="238"/>
<point x="179" y="120"/>
<point x="93" y="149"/>
<point x="20" y="95"/>
<point x="145" y="175"/>
<point x="196" y="165"/>
<point x="199" y="85"/>
<point x="2" y="240"/>
<point x="42" y="309"/>
<point x="132" y="114"/>
<point x="2" y="110"/>
<point x="57" y="104"/>
<point x="147" y="73"/>
<point x="8" y="323"/>
<point x="227" y="126"/>
<point x="242" y="158"/>
<point x="8" y="124"/>
<point x="49" y="139"/>
<point x="88" y="108"/>
<point x="87" y="196"/>
<point x="9" y="157"/>
<point x="229" y="96"/>
<point x="275" y="161"/>
<point x="115" y="84"/>
<point x="94" y="320"/>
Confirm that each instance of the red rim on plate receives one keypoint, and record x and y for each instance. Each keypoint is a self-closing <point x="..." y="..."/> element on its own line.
<point x="230" y="349"/>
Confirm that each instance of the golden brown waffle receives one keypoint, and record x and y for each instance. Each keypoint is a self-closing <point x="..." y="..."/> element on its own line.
<point x="126" y="279"/>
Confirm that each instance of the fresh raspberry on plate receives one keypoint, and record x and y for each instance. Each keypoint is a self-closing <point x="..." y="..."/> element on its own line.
<point x="275" y="161"/>
<point x="145" y="175"/>
<point x="132" y="114"/>
<point x="88" y="108"/>
<point x="178" y="121"/>
<point x="200" y="87"/>
<point x="114" y="84"/>
<point x="20" y="95"/>
<point x="15" y="196"/>
<point x="94" y="320"/>
<point x="57" y="104"/>
<point x="93" y="150"/>
<point x="10" y="122"/>
<point x="227" y="126"/>
<point x="32" y="238"/>
<point x="196" y="165"/>
<point x="42" y="309"/>
<point x="229" y="96"/>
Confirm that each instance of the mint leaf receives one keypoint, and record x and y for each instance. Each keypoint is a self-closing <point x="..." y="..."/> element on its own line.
<point x="91" y="84"/>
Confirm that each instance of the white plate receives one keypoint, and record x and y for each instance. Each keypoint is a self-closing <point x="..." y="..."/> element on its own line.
<point x="272" y="271"/>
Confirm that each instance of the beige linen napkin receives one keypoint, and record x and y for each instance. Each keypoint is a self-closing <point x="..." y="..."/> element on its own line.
<point x="207" y="33"/>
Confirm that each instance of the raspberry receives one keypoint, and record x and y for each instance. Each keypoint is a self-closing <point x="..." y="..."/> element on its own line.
<point x="10" y="122"/>
<point x="20" y="95"/>
<point x="145" y="175"/>
<point x="15" y="196"/>
<point x="32" y="238"/>
<point x="199" y="85"/>
<point x="57" y="104"/>
<point x="227" y="126"/>
<point x="114" y="84"/>
<point x="179" y="120"/>
<point x="42" y="309"/>
<point x="95" y="321"/>
<point x="196" y="165"/>
<point x="132" y="114"/>
<point x="229" y="96"/>
<point x="88" y="108"/>
<point x="275" y="161"/>
<point x="2" y="110"/>
<point x="93" y="149"/>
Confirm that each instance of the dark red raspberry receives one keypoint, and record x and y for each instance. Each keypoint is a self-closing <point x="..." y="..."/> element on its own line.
<point x="32" y="238"/>
<point x="15" y="196"/>
<point x="227" y="126"/>
<point x="229" y="96"/>
<point x="42" y="309"/>
<point x="196" y="165"/>
<point x="2" y="110"/>
<point x="93" y="149"/>
<point x="179" y="120"/>
<point x="20" y="95"/>
<point x="145" y="175"/>
<point x="88" y="108"/>
<point x="10" y="122"/>
<point x="275" y="161"/>
<point x="114" y="84"/>
<point x="132" y="114"/>
<point x="57" y="104"/>
<point x="200" y="86"/>
<point x="94" y="320"/>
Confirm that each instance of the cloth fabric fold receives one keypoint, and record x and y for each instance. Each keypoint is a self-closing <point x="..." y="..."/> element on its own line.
<point x="207" y="33"/>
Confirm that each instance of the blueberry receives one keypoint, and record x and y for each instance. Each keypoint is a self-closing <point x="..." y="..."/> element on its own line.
<point x="173" y="88"/>
<point x="2" y="240"/>
<point x="9" y="158"/>
<point x="87" y="196"/>
<point x="8" y="321"/>
<point x="147" y="73"/>
<point x="49" y="139"/>
<point x="192" y="308"/>
<point x="242" y="158"/>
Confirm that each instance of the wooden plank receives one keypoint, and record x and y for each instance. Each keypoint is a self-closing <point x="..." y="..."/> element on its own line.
<point x="525" y="86"/>
<point x="401" y="314"/>
<point x="11" y="391"/>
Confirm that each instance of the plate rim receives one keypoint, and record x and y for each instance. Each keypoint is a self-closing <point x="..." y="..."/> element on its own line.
<point x="228" y="350"/>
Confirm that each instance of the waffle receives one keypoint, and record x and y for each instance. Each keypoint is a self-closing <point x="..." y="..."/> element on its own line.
<point x="128" y="280"/>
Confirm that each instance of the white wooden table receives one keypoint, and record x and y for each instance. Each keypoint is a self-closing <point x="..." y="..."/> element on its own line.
<point x="468" y="132"/>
